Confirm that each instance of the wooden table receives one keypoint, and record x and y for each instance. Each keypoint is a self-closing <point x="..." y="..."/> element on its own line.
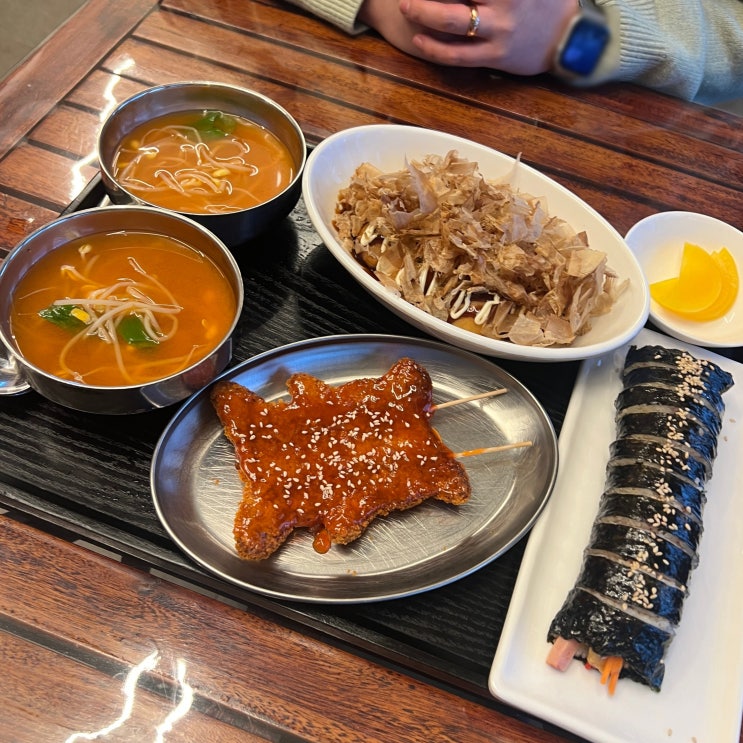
<point x="90" y="606"/>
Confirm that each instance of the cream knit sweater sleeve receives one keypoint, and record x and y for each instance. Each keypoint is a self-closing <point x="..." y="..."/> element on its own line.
<point x="341" y="13"/>
<point x="692" y="49"/>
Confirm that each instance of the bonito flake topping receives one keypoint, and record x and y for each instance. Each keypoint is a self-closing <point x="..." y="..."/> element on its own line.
<point x="475" y="253"/>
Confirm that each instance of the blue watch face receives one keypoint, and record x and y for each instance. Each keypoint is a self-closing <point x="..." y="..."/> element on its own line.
<point x="585" y="46"/>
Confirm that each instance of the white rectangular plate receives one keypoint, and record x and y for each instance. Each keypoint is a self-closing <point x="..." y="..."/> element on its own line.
<point x="702" y="695"/>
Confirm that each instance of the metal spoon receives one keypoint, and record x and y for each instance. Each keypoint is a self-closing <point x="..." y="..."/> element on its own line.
<point x="12" y="381"/>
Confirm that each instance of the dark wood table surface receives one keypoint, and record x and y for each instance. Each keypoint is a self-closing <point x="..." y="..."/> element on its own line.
<point x="96" y="602"/>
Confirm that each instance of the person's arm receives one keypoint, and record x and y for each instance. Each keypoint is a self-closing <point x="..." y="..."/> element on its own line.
<point x="356" y="16"/>
<point x="691" y="49"/>
<point x="341" y="13"/>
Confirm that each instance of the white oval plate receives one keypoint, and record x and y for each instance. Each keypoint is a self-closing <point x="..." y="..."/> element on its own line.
<point x="332" y="163"/>
<point x="658" y="242"/>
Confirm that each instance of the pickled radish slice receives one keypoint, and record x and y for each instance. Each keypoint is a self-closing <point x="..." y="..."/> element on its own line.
<point x="706" y="287"/>
<point x="728" y="294"/>
<point x="697" y="286"/>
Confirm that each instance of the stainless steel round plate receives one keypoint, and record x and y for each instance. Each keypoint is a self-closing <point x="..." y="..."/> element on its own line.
<point x="196" y="488"/>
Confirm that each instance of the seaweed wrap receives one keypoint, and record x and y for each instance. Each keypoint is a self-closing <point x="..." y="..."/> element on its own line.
<point x="628" y="598"/>
<point x="668" y="426"/>
<point x="672" y="456"/>
<point x="673" y="362"/>
<point x="643" y="644"/>
<point x="670" y="400"/>
<point x="652" y="481"/>
<point x="632" y="589"/>
<point x="662" y="374"/>
<point x="633" y="543"/>
<point x="654" y="514"/>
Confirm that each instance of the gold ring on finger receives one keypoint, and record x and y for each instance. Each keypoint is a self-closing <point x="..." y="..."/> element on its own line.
<point x="474" y="21"/>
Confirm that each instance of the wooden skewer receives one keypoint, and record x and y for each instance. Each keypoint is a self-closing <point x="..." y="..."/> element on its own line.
<point x="470" y="398"/>
<point x="491" y="449"/>
<point x="458" y="401"/>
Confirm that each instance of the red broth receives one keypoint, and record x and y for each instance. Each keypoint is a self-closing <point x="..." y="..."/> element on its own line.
<point x="203" y="162"/>
<point x="122" y="308"/>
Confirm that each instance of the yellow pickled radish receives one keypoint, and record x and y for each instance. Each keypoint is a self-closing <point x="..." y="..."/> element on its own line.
<point x="697" y="286"/>
<point x="728" y="293"/>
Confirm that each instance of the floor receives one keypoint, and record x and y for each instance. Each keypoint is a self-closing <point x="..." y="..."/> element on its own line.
<point x="24" y="24"/>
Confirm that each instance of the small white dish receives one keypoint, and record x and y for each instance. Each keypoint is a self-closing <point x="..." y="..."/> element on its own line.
<point x="332" y="163"/>
<point x="658" y="242"/>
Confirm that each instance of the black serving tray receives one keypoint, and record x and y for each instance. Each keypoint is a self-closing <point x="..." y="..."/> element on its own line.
<point x="86" y="477"/>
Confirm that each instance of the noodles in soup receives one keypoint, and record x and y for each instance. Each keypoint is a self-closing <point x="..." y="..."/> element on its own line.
<point x="203" y="162"/>
<point x="120" y="309"/>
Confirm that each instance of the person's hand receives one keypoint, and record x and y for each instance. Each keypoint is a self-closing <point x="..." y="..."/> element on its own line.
<point x="516" y="36"/>
<point x="384" y="16"/>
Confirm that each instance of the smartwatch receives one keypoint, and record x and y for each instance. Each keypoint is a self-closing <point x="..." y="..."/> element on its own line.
<point x="581" y="48"/>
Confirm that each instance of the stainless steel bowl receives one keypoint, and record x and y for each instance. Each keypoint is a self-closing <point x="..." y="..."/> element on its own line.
<point x="123" y="399"/>
<point x="234" y="228"/>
